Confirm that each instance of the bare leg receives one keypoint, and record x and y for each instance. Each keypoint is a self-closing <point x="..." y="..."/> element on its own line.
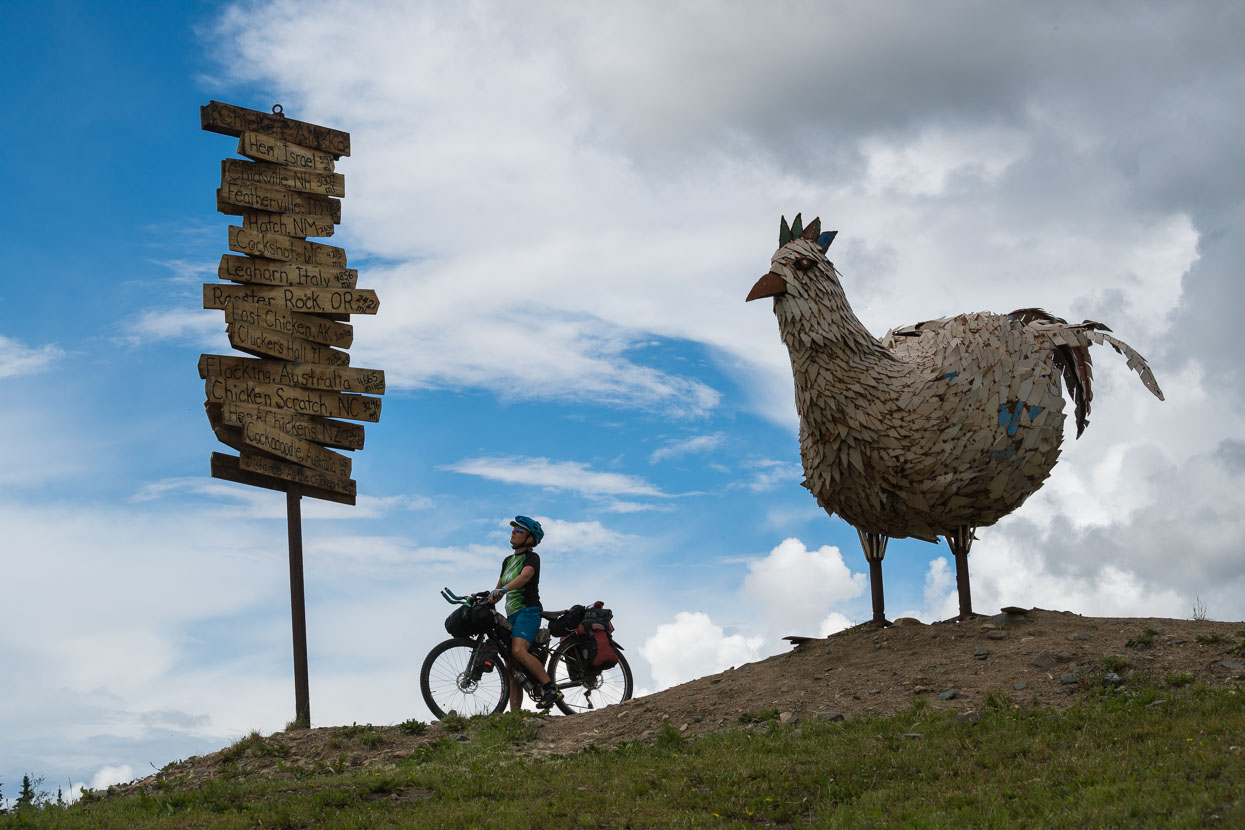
<point x="875" y="549"/>
<point x="519" y="648"/>
<point x="533" y="667"/>
<point x="516" y="693"/>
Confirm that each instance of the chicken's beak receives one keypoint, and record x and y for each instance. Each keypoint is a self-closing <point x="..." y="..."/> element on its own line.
<point x="770" y="285"/>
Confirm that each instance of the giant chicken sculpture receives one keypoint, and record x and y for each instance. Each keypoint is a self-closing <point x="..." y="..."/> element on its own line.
<point x="936" y="429"/>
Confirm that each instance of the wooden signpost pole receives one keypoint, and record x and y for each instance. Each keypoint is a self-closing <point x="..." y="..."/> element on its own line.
<point x="279" y="411"/>
<point x="298" y="609"/>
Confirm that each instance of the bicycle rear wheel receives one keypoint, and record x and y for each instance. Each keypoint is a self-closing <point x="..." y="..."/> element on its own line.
<point x="448" y="685"/>
<point x="590" y="690"/>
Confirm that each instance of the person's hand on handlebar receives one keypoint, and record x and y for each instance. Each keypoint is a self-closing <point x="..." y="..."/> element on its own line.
<point x="496" y="594"/>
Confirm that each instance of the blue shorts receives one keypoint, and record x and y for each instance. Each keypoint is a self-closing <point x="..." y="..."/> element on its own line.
<point x="525" y="622"/>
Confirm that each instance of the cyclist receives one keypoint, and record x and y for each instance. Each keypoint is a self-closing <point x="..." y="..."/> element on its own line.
<point x="519" y="583"/>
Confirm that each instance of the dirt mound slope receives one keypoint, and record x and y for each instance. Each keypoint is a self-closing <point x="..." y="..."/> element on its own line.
<point x="1033" y="657"/>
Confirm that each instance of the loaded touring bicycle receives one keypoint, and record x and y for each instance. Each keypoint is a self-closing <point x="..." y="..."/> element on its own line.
<point x="469" y="673"/>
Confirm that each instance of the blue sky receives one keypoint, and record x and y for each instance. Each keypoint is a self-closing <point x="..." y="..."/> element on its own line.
<point x="562" y="211"/>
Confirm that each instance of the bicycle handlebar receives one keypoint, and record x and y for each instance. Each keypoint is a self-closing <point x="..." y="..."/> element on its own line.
<point x="454" y="599"/>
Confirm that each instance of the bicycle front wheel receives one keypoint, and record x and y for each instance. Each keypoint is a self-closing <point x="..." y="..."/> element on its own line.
<point x="585" y="691"/>
<point x="449" y="685"/>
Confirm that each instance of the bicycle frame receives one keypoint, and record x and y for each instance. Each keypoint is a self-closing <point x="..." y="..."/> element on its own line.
<point x="562" y="658"/>
<point x="501" y="644"/>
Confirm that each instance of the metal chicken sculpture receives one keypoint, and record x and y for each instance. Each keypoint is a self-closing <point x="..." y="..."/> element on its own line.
<point x="936" y="429"/>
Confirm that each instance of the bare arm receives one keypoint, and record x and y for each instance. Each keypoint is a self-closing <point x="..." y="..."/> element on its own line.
<point x="524" y="577"/>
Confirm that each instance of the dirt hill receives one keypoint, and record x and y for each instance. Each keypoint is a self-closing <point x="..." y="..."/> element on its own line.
<point x="1032" y="657"/>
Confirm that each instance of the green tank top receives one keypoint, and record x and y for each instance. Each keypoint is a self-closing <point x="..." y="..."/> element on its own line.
<point x="528" y="595"/>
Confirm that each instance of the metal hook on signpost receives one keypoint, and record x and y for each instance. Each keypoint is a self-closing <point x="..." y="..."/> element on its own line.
<point x="279" y="112"/>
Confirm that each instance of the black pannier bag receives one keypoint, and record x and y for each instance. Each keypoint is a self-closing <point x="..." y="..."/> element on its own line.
<point x="469" y="620"/>
<point x="597" y="649"/>
<point x="566" y="622"/>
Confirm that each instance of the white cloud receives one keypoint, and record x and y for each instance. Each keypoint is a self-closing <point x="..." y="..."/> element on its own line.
<point x="686" y="446"/>
<point x="386" y="555"/>
<point x="926" y="164"/>
<point x="191" y="272"/>
<point x="941" y="597"/>
<point x="204" y="327"/>
<point x="18" y="359"/>
<point x="784" y="518"/>
<point x="692" y="646"/>
<point x="107" y="776"/>
<point x="103" y="778"/>
<point x="121" y="633"/>
<point x="574" y="476"/>
<point x="833" y="623"/>
<point x="564" y="537"/>
<point x="792" y="590"/>
<point x="769" y="474"/>
<point x="620" y="506"/>
<point x="549" y="296"/>
<point x="795" y="588"/>
<point x="242" y="501"/>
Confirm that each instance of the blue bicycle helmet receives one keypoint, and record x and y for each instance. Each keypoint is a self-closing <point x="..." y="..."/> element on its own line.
<point x="531" y="526"/>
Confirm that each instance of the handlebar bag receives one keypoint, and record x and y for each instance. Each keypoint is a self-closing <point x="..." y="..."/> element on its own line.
<point x="469" y="620"/>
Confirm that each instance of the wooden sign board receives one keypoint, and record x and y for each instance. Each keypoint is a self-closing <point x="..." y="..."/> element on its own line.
<point x="230" y="436"/>
<point x="247" y="196"/>
<point x="238" y="171"/>
<point x="294" y="298"/>
<point x="289" y="249"/>
<point x="228" y="468"/>
<point x="293" y="399"/>
<point x="230" y="120"/>
<point x="275" y="272"/>
<point x="283" y="224"/>
<point x="261" y="340"/>
<point x="332" y="378"/>
<point x="295" y="472"/>
<point x="311" y="327"/>
<point x="266" y="148"/>
<point x="330" y="433"/>
<point x="227" y="419"/>
<point x="299" y="450"/>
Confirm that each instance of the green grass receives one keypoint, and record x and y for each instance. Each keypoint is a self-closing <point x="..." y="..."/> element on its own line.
<point x="1114" y="760"/>
<point x="367" y="735"/>
<point x="254" y="744"/>
<point x="1143" y="640"/>
<point x="412" y="727"/>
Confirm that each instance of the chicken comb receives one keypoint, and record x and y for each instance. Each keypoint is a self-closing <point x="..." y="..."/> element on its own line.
<point x="784" y="233"/>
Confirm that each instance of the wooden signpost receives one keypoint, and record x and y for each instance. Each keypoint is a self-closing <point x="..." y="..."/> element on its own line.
<point x="285" y="300"/>
<point x="275" y="272"/>
<point x="287" y="248"/>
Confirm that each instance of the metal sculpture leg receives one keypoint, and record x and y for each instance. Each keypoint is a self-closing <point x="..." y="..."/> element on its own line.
<point x="960" y="540"/>
<point x="875" y="549"/>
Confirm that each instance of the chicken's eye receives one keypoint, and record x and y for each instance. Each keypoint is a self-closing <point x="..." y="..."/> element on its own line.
<point x="803" y="263"/>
